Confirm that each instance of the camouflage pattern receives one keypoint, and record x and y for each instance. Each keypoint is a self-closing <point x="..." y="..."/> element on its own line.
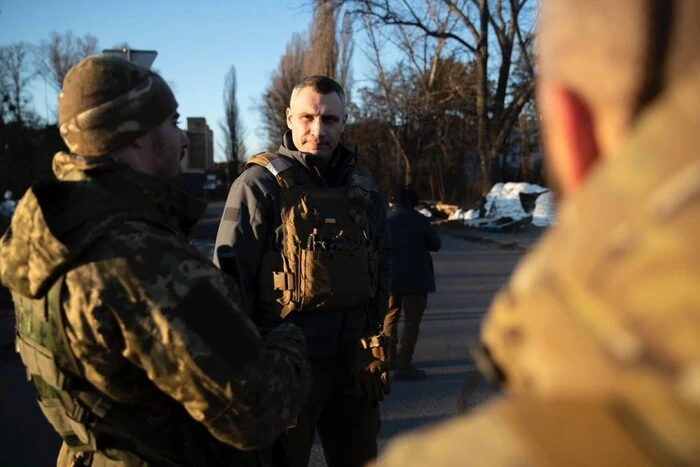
<point x="597" y="332"/>
<point x="107" y="101"/>
<point x="152" y="323"/>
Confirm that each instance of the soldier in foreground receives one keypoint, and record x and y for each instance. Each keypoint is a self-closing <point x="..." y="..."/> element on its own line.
<point x="138" y="346"/>
<point x="310" y="230"/>
<point x="597" y="336"/>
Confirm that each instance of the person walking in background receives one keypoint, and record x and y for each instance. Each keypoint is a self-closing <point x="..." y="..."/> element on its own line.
<point x="412" y="279"/>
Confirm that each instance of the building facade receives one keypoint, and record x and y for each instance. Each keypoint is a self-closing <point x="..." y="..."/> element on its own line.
<point x="200" y="154"/>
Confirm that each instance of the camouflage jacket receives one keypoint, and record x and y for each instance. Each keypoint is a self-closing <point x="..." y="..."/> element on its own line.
<point x="252" y="224"/>
<point x="152" y="323"/>
<point x="598" y="331"/>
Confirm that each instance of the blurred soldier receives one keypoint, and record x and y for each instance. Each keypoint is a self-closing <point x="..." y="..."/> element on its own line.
<point x="310" y="230"/>
<point x="136" y="343"/>
<point x="412" y="279"/>
<point x="597" y="336"/>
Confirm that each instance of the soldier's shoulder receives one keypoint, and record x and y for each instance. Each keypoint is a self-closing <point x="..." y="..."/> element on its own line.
<point x="483" y="438"/>
<point x="363" y="181"/>
<point x="160" y="261"/>
<point x="365" y="173"/>
<point x="523" y="432"/>
<point x="149" y="241"/>
<point x="255" y="176"/>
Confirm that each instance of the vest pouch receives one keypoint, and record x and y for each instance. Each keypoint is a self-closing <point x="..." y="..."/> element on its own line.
<point x="271" y="264"/>
<point x="74" y="432"/>
<point x="290" y="296"/>
<point x="334" y="279"/>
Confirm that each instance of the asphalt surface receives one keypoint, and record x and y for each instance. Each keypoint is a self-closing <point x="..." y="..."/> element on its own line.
<point x="467" y="276"/>
<point x="468" y="273"/>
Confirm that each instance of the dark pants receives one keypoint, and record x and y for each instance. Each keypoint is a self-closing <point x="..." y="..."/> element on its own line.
<point x="413" y="306"/>
<point x="347" y="424"/>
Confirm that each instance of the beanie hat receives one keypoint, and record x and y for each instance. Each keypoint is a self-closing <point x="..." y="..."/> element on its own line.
<point x="107" y="102"/>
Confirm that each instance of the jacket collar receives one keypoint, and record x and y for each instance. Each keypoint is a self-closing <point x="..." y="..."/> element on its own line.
<point x="136" y="190"/>
<point x="342" y="162"/>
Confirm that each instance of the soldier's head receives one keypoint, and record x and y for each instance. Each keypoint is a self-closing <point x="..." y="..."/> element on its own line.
<point x="602" y="64"/>
<point x="316" y="115"/>
<point x="110" y="107"/>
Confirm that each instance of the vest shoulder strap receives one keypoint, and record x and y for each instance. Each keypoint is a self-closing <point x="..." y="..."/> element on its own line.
<point x="279" y="166"/>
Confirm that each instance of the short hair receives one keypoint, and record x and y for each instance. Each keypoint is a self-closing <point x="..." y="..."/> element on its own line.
<point x="321" y="84"/>
<point x="406" y="195"/>
<point x="620" y="55"/>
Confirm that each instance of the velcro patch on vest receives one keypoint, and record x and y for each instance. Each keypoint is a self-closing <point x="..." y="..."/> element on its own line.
<point x="225" y="331"/>
<point x="231" y="214"/>
<point x="277" y="166"/>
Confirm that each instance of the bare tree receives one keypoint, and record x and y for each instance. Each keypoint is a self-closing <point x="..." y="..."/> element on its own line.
<point x="331" y="47"/>
<point x="323" y="55"/>
<point x="346" y="47"/>
<point x="15" y="75"/>
<point x="489" y="31"/>
<point x="231" y="126"/>
<point x="410" y="92"/>
<point x="55" y="56"/>
<point x="276" y="98"/>
<point x="393" y="102"/>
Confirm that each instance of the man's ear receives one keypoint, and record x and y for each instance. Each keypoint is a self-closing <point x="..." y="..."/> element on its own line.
<point x="570" y="135"/>
<point x="289" y="118"/>
<point x="141" y="141"/>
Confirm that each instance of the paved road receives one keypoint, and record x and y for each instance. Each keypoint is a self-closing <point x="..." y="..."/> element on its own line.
<point x="467" y="276"/>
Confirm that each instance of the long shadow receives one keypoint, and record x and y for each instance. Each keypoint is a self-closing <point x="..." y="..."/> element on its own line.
<point x="453" y="316"/>
<point x="465" y="362"/>
<point x="454" y="377"/>
<point x="391" y="428"/>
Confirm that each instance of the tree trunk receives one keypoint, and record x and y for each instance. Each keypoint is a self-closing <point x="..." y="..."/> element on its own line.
<point x="483" y="126"/>
<point x="525" y="153"/>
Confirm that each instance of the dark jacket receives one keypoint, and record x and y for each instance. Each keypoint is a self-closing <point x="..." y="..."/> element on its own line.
<point x="413" y="238"/>
<point x="251" y="223"/>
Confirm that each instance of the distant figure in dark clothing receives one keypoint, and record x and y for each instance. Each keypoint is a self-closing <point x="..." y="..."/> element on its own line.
<point x="412" y="279"/>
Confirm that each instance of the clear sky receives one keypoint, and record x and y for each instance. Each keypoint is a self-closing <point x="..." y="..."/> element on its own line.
<point x="197" y="42"/>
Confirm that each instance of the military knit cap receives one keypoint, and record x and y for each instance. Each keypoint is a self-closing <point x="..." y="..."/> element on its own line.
<point x="107" y="102"/>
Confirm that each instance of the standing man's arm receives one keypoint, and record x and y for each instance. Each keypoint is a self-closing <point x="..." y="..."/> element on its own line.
<point x="245" y="225"/>
<point x="170" y="313"/>
<point x="431" y="237"/>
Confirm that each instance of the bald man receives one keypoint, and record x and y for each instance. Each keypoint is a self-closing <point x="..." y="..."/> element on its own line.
<point x="310" y="230"/>
<point x="597" y="336"/>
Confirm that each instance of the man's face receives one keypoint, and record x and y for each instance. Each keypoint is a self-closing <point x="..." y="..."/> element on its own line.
<point x="316" y="120"/>
<point x="168" y="141"/>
